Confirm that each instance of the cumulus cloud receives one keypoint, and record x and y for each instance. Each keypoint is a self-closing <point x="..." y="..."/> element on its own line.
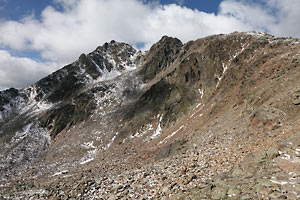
<point x="17" y="72"/>
<point x="61" y="35"/>
<point x="287" y="17"/>
<point x="253" y="15"/>
<point x="277" y="17"/>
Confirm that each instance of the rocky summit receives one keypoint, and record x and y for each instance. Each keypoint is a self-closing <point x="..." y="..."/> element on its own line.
<point x="215" y="118"/>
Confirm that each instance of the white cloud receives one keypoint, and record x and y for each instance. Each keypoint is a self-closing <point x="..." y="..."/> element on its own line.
<point x="287" y="16"/>
<point x="17" y="72"/>
<point x="253" y="15"/>
<point x="277" y="17"/>
<point x="62" y="35"/>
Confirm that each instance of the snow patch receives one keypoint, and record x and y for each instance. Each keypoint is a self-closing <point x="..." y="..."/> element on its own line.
<point x="19" y="105"/>
<point x="142" y="86"/>
<point x="198" y="105"/>
<point x="89" y="145"/>
<point x="60" y="173"/>
<point x="286" y="157"/>
<point x="142" y="131"/>
<point x="219" y="80"/>
<point x="225" y="67"/>
<point x="26" y="144"/>
<point x="87" y="161"/>
<point x="171" y="135"/>
<point x="158" y="129"/>
<point x="89" y="79"/>
<point x="21" y="134"/>
<point x="112" y="140"/>
<point x="280" y="183"/>
<point x="256" y="34"/>
<point x="97" y="66"/>
<point x="89" y="157"/>
<point x="42" y="106"/>
<point x="201" y="91"/>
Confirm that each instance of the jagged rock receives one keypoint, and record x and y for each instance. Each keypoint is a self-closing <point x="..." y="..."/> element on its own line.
<point x="296" y="98"/>
<point x="160" y="56"/>
<point x="272" y="152"/>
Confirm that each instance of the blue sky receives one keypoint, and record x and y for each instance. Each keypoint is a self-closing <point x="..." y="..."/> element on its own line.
<point x="16" y="9"/>
<point x="38" y="37"/>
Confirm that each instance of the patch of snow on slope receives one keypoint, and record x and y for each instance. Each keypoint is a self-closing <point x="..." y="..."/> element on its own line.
<point x="224" y="68"/>
<point x="88" y="145"/>
<point x="171" y="135"/>
<point x="31" y="132"/>
<point x="90" y="154"/>
<point x="132" y="60"/>
<point x="110" y="59"/>
<point x="286" y="157"/>
<point x="35" y="106"/>
<point x="21" y="134"/>
<point x="197" y="110"/>
<point x="60" y="173"/>
<point x="42" y="106"/>
<point x="97" y="67"/>
<point x="256" y="34"/>
<point x="142" y="131"/>
<point x="20" y="105"/>
<point x="108" y="76"/>
<point x="201" y="91"/>
<point x="108" y="98"/>
<point x="158" y="129"/>
<point x="25" y="145"/>
<point x="279" y="183"/>
<point x="112" y="140"/>
<point x="219" y="80"/>
<point x="82" y="71"/>
<point x="90" y="157"/>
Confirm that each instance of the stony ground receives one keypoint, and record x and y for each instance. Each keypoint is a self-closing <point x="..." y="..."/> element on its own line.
<point x="217" y="167"/>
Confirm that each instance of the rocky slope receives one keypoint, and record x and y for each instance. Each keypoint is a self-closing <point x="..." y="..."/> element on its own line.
<point x="214" y="118"/>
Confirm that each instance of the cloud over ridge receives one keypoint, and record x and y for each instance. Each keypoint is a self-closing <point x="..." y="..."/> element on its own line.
<point x="61" y="35"/>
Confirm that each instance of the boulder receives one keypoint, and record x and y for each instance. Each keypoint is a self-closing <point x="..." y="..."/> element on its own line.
<point x="296" y="98"/>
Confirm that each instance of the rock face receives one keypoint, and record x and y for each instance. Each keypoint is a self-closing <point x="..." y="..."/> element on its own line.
<point x="214" y="118"/>
<point x="160" y="56"/>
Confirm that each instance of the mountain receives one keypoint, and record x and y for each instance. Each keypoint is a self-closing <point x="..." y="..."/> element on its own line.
<point x="214" y="118"/>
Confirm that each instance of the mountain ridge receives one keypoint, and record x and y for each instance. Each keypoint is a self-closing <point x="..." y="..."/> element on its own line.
<point x="117" y="109"/>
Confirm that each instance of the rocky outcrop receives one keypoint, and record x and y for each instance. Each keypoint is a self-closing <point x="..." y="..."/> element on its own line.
<point x="160" y="56"/>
